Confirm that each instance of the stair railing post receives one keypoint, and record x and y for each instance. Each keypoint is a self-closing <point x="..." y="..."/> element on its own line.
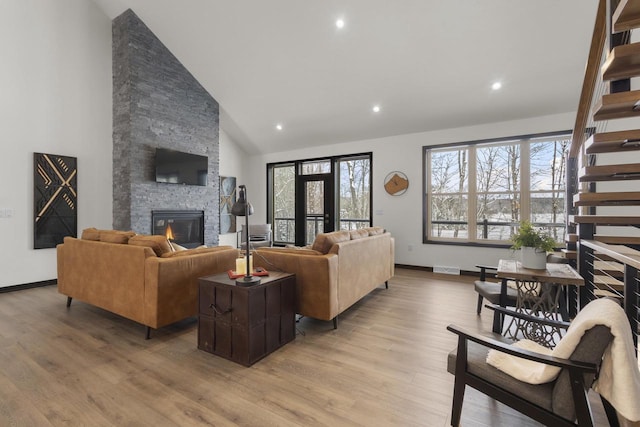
<point x="585" y="254"/>
<point x="632" y="300"/>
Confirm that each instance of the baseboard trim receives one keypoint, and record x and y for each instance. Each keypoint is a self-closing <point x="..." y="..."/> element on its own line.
<point x="13" y="288"/>
<point x="414" y="267"/>
<point x="422" y="268"/>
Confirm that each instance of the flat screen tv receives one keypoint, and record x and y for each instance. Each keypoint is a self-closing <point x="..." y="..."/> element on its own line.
<point x="176" y="167"/>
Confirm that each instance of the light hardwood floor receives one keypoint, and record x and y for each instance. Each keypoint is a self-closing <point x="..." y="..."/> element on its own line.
<point x="385" y="365"/>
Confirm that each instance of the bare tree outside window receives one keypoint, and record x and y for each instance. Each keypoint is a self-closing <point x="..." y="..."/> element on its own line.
<point x="355" y="193"/>
<point x="284" y="193"/>
<point x="449" y="185"/>
<point x="496" y="188"/>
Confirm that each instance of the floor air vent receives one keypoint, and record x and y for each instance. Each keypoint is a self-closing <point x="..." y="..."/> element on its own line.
<point x="443" y="269"/>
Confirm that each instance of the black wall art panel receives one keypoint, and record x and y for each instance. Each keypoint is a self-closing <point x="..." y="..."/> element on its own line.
<point x="55" y="199"/>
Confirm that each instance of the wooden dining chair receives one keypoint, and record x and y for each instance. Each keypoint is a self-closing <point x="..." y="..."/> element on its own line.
<point x="491" y="290"/>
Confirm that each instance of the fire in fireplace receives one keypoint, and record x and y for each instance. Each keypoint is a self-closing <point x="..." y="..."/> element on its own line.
<point x="186" y="228"/>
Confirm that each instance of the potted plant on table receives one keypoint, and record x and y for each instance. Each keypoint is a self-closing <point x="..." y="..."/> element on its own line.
<point x="533" y="245"/>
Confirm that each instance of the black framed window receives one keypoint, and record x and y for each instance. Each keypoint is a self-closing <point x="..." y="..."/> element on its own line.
<point x="477" y="192"/>
<point x="309" y="196"/>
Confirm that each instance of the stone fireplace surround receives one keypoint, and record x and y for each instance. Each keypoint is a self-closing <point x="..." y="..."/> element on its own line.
<point x="158" y="103"/>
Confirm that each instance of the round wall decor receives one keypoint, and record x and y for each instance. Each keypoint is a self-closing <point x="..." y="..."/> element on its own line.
<point x="396" y="183"/>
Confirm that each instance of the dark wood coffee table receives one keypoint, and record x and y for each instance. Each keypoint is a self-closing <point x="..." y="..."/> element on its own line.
<point x="246" y="323"/>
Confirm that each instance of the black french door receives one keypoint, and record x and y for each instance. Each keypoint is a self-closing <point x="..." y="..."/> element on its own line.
<point x="315" y="205"/>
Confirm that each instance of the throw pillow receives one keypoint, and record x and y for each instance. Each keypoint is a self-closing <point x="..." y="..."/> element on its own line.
<point x="159" y="244"/>
<point x="373" y="231"/>
<point x="90" y="234"/>
<point x="290" y="250"/>
<point x="324" y="241"/>
<point x="115" y="236"/>
<point x="358" y="234"/>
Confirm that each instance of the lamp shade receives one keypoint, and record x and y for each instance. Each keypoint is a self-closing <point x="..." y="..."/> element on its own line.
<point x="242" y="207"/>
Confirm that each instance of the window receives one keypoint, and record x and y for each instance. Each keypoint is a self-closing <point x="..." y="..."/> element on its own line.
<point x="478" y="192"/>
<point x="284" y="196"/>
<point x="312" y="196"/>
<point x="355" y="193"/>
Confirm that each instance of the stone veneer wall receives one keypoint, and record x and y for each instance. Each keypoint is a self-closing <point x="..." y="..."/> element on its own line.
<point x="158" y="103"/>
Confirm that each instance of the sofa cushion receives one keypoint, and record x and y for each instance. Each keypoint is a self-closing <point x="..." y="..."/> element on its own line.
<point x="194" y="251"/>
<point x="324" y="241"/>
<point x="358" y="234"/>
<point x="297" y="250"/>
<point x="159" y="244"/>
<point x="107" y="236"/>
<point x="374" y="231"/>
<point x="115" y="236"/>
<point x="90" y="234"/>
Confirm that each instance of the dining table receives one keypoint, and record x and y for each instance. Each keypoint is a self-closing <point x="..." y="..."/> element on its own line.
<point x="541" y="293"/>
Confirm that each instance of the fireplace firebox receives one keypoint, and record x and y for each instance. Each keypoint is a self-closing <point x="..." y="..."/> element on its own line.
<point x="186" y="228"/>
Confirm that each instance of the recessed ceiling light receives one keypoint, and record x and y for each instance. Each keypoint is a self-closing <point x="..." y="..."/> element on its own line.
<point x="340" y="23"/>
<point x="496" y="85"/>
<point x="376" y="109"/>
<point x="279" y="126"/>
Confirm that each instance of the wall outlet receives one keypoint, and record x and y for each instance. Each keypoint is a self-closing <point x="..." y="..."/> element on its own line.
<point x="6" y="213"/>
<point x="410" y="248"/>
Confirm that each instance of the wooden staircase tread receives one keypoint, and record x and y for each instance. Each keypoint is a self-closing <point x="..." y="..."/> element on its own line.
<point x="617" y="105"/>
<point x="622" y="172"/>
<point x="604" y="219"/>
<point x="569" y="253"/>
<point x="619" y="198"/>
<point x="617" y="240"/>
<point x="612" y="268"/>
<point x="605" y="281"/>
<point x="571" y="238"/>
<point x="623" y="62"/>
<point x="626" y="16"/>
<point x="609" y="142"/>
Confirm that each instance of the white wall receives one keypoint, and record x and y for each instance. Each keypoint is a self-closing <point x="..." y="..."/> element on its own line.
<point x="55" y="82"/>
<point x="231" y="164"/>
<point x="402" y="215"/>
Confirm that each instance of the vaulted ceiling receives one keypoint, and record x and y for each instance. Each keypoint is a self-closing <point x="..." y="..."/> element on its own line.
<point x="428" y="64"/>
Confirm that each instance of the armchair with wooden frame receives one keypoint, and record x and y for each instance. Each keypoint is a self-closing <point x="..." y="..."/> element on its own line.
<point x="562" y="402"/>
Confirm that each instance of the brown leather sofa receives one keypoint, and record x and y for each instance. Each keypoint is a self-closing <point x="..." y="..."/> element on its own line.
<point x="336" y="271"/>
<point x="137" y="277"/>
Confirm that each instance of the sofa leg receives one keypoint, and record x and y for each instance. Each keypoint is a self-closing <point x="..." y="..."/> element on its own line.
<point x="335" y="322"/>
<point x="147" y="333"/>
<point x="69" y="302"/>
<point x="386" y="284"/>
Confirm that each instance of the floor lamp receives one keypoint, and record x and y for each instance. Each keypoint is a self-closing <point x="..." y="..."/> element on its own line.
<point x="243" y="208"/>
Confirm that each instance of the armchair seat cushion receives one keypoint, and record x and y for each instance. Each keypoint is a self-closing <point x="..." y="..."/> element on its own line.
<point x="540" y="394"/>
<point x="491" y="291"/>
